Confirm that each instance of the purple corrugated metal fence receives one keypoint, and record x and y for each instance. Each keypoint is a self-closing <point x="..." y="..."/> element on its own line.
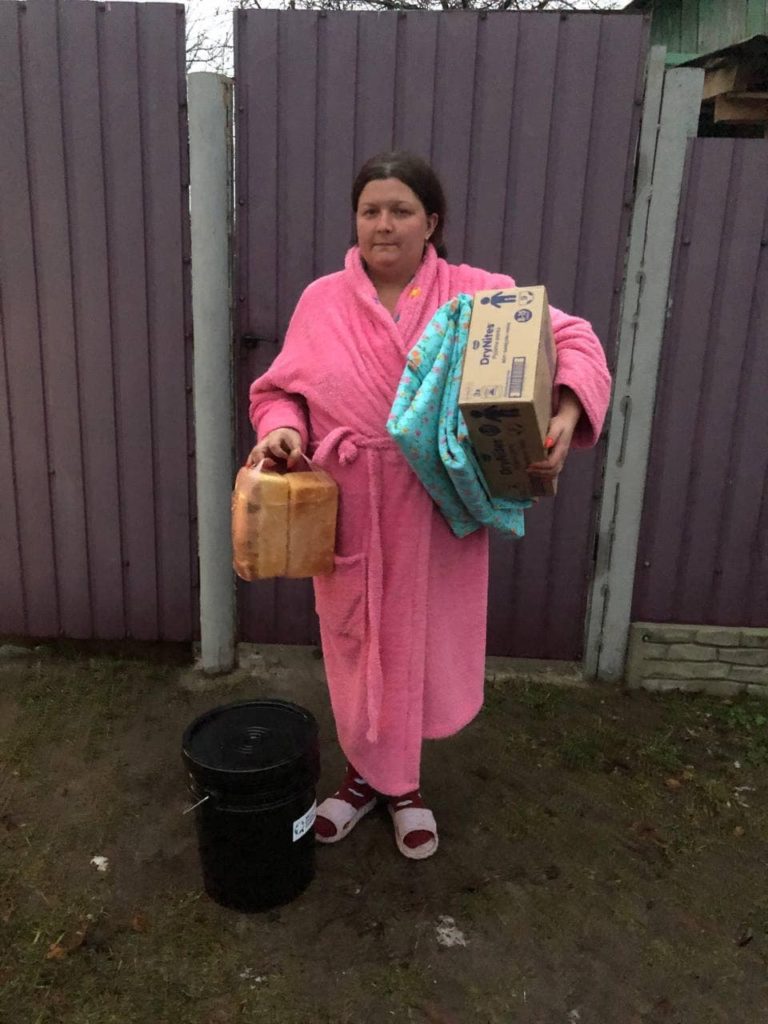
<point x="703" y="554"/>
<point x="531" y="121"/>
<point x="95" y="426"/>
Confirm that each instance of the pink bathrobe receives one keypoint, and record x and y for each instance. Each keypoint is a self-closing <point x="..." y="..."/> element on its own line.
<point x="403" y="617"/>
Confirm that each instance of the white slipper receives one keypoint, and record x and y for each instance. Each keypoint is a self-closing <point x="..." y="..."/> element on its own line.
<point x="342" y="815"/>
<point x="414" y="819"/>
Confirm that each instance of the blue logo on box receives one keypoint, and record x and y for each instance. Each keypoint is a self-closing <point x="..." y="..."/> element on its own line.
<point x="523" y="316"/>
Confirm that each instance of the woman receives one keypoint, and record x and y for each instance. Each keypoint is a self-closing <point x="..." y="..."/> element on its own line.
<point x="404" y="659"/>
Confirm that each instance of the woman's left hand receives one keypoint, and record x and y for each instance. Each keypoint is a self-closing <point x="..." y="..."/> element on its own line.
<point x="559" y="436"/>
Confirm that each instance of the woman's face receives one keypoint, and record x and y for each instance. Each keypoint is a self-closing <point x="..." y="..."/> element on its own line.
<point x="392" y="229"/>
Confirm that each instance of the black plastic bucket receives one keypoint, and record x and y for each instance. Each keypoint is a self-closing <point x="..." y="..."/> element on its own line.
<point x="252" y="769"/>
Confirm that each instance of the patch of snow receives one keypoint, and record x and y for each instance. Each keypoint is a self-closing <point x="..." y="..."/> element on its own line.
<point x="448" y="934"/>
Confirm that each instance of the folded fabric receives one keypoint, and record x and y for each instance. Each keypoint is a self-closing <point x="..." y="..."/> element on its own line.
<point x="429" y="428"/>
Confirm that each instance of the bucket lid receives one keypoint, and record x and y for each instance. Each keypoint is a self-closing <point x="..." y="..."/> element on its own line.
<point x="250" y="736"/>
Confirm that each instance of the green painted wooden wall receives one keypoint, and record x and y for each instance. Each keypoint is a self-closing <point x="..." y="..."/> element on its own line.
<point x="700" y="26"/>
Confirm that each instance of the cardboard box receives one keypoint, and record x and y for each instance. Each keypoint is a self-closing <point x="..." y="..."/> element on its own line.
<point x="506" y="388"/>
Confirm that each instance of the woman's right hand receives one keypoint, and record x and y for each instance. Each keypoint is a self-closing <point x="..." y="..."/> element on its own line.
<point x="281" y="445"/>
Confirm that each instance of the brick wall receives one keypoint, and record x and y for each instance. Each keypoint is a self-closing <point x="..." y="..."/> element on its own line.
<point x="714" y="659"/>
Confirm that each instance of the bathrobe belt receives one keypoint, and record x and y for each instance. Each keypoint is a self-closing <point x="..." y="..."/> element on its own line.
<point x="347" y="444"/>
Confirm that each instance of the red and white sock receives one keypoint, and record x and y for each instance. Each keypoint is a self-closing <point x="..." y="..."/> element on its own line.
<point x="355" y="791"/>
<point x="419" y="837"/>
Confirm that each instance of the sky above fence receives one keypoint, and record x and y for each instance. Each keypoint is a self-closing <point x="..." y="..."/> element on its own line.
<point x="209" y="29"/>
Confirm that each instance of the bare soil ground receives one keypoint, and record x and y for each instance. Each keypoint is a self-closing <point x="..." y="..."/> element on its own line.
<point x="602" y="861"/>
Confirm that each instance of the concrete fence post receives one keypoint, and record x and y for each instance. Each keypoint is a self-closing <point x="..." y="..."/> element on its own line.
<point x="210" y="150"/>
<point x="670" y="119"/>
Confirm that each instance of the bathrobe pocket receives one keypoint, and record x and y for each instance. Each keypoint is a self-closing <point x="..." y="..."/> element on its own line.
<point x="340" y="598"/>
<point x="341" y="603"/>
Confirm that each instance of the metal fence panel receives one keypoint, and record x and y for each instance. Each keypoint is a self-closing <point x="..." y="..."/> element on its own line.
<point x="95" y="521"/>
<point x="703" y="554"/>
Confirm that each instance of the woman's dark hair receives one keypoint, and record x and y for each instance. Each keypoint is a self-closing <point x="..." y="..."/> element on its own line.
<point x="417" y="175"/>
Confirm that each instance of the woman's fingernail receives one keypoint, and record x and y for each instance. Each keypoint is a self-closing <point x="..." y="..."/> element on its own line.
<point x="549" y="442"/>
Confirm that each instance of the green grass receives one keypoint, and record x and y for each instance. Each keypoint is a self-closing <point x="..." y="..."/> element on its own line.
<point x="660" y="751"/>
<point x="539" y="699"/>
<point x="745" y="723"/>
<point x="583" y="752"/>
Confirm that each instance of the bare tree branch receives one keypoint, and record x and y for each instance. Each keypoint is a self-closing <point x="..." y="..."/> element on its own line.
<point x="475" y="5"/>
<point x="451" y="5"/>
<point x="209" y="41"/>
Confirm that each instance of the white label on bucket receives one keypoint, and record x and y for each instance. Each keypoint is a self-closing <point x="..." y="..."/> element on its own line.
<point x="303" y="824"/>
